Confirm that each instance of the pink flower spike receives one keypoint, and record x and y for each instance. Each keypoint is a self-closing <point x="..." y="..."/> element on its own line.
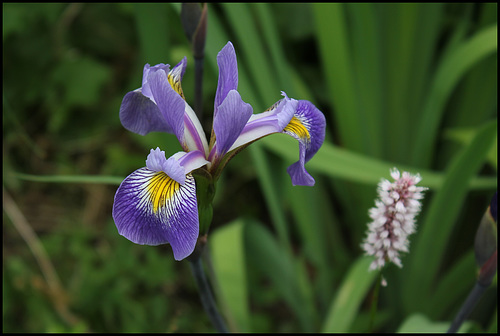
<point x="393" y="218"/>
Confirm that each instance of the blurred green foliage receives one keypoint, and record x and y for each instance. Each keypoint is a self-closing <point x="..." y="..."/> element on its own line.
<point x="406" y="85"/>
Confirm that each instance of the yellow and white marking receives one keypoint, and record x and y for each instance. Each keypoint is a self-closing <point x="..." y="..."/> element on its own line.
<point x="298" y="127"/>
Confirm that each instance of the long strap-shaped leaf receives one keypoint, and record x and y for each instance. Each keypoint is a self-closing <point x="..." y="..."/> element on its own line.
<point x="447" y="77"/>
<point x="428" y="251"/>
<point x="343" y="164"/>
<point x="353" y="290"/>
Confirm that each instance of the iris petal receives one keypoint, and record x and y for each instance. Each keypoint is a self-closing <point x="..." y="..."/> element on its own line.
<point x="228" y="74"/>
<point x="140" y="115"/>
<point x="150" y="208"/>
<point x="169" y="102"/>
<point x="228" y="124"/>
<point x="167" y="92"/>
<point x="175" y="76"/>
<point x="308" y="127"/>
<point x="265" y="123"/>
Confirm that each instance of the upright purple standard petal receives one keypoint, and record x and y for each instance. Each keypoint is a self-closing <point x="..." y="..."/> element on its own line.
<point x="228" y="74"/>
<point x="229" y="122"/>
<point x="308" y="127"/>
<point x="169" y="102"/>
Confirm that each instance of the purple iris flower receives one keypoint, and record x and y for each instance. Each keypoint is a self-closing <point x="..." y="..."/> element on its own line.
<point x="157" y="204"/>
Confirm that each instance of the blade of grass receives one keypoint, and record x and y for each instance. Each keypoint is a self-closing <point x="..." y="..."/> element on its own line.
<point x="319" y="235"/>
<point x="479" y="92"/>
<point x="449" y="72"/>
<point x="425" y="44"/>
<point x="343" y="164"/>
<point x="271" y="194"/>
<point x="453" y="286"/>
<point x="350" y="294"/>
<point x="99" y="179"/>
<point x="268" y="256"/>
<point x="399" y="26"/>
<point x="419" y="323"/>
<point x="273" y="45"/>
<point x="332" y="35"/>
<point x="431" y="241"/>
<point x="151" y="23"/>
<point x="367" y="61"/>
<point x="250" y="49"/>
<point x="228" y="259"/>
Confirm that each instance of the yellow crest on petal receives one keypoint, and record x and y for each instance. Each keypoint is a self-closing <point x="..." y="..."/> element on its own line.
<point x="297" y="127"/>
<point x="175" y="83"/>
<point x="161" y="188"/>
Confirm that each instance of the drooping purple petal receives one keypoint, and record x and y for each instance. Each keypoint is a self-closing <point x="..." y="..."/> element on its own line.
<point x="150" y="208"/>
<point x="228" y="74"/>
<point x="308" y="127"/>
<point x="140" y="115"/>
<point x="229" y="122"/>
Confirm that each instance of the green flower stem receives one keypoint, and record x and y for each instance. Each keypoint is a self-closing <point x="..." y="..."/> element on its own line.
<point x="467" y="307"/>
<point x="375" y="302"/>
<point x="205" y="192"/>
<point x="198" y="88"/>
<point x="207" y="299"/>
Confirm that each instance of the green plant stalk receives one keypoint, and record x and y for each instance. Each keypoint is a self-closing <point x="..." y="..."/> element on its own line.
<point x="205" y="192"/>
<point x="373" y="311"/>
<point x="474" y="296"/>
<point x="207" y="299"/>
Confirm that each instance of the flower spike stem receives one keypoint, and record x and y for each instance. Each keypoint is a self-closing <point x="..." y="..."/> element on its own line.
<point x="198" y="88"/>
<point x="206" y="296"/>
<point x="467" y="307"/>
<point x="375" y="302"/>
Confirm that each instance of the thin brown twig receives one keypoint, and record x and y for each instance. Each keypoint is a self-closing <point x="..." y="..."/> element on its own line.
<point x="56" y="291"/>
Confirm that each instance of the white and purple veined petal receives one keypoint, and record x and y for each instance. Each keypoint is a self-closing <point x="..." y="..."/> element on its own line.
<point x="151" y="207"/>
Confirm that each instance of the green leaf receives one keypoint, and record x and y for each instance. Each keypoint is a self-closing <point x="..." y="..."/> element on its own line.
<point x="419" y="323"/>
<point x="344" y="307"/>
<point x="151" y="24"/>
<point x="465" y="135"/>
<point x="269" y="257"/>
<point x="333" y="42"/>
<point x="436" y="228"/>
<point x="449" y="73"/>
<point x="343" y="164"/>
<point x="116" y="180"/>
<point x="228" y="258"/>
<point x="449" y="292"/>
